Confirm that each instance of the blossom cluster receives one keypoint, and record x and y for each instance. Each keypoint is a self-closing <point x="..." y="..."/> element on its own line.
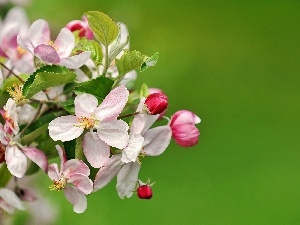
<point x="74" y="98"/>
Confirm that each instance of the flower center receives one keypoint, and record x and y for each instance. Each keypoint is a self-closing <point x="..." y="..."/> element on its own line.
<point x="20" y="51"/>
<point x="51" y="43"/>
<point x="16" y="93"/>
<point x="86" y="122"/>
<point x="58" y="185"/>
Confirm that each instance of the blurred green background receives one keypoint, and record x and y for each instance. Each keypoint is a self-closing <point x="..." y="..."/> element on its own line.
<point x="236" y="65"/>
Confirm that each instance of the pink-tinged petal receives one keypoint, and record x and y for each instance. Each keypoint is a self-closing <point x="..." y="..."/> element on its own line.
<point x="82" y="182"/>
<point x="65" y="43"/>
<point x="106" y="173"/>
<point x="36" y="156"/>
<point x="75" y="61"/>
<point x="184" y="117"/>
<point x="85" y="105"/>
<point x="113" y="104"/>
<point x="11" y="115"/>
<point x="12" y="200"/>
<point x="3" y="137"/>
<point x="47" y="54"/>
<point x="75" y="166"/>
<point x="127" y="178"/>
<point x="65" y="128"/>
<point x="114" y="133"/>
<point x="95" y="150"/>
<point x="141" y="123"/>
<point x="62" y="155"/>
<point x="132" y="150"/>
<point x="16" y="161"/>
<point x="76" y="198"/>
<point x="53" y="171"/>
<point x="185" y="135"/>
<point x="39" y="33"/>
<point x="157" y="140"/>
<point x="24" y="42"/>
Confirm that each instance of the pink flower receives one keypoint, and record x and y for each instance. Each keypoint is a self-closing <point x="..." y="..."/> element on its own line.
<point x="157" y="90"/>
<point x="88" y="115"/>
<point x="74" y="172"/>
<point x="17" y="58"/>
<point x="156" y="103"/>
<point x="82" y="26"/>
<point x="15" y="154"/>
<point x="37" y="41"/>
<point x="184" y="131"/>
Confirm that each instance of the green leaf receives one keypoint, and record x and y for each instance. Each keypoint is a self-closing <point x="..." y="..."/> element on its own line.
<point x="151" y="61"/>
<point x="47" y="145"/>
<point x="68" y="106"/>
<point x="105" y="30"/>
<point x="131" y="60"/>
<point x="70" y="147"/>
<point x="5" y="175"/>
<point x="92" y="46"/>
<point x="99" y="87"/>
<point x="45" y="77"/>
<point x="144" y="92"/>
<point x="29" y="138"/>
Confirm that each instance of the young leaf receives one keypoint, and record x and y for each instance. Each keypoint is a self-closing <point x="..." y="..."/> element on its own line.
<point x="116" y="48"/>
<point x="45" y="77"/>
<point x="105" y="30"/>
<point x="68" y="106"/>
<point x="99" y="87"/>
<point x="131" y="60"/>
<point x="151" y="61"/>
<point x="92" y="46"/>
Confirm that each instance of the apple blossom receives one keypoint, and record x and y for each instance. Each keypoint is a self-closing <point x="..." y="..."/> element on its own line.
<point x="37" y="41"/>
<point x="74" y="172"/>
<point x="88" y="115"/>
<point x="183" y="128"/>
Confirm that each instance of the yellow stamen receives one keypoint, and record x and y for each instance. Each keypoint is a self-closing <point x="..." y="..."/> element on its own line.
<point x="51" y="43"/>
<point x="86" y="122"/>
<point x="20" y="51"/>
<point x="58" y="185"/>
<point x="16" y="93"/>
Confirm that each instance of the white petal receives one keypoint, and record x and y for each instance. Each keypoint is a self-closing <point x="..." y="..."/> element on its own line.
<point x="76" y="198"/>
<point x="64" y="43"/>
<point x="75" y="61"/>
<point x="75" y="166"/>
<point x="95" y="150"/>
<point x="64" y="128"/>
<point x="39" y="32"/>
<point x="113" y="104"/>
<point x="16" y="161"/>
<point x="127" y="179"/>
<point x="82" y="182"/>
<point x="26" y="113"/>
<point x="157" y="140"/>
<point x="106" y="173"/>
<point x="12" y="200"/>
<point x="141" y="123"/>
<point x="114" y="133"/>
<point x="131" y="152"/>
<point x="85" y="105"/>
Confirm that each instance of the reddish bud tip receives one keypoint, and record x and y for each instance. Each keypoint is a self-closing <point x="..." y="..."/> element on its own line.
<point x="144" y="192"/>
<point x="156" y="103"/>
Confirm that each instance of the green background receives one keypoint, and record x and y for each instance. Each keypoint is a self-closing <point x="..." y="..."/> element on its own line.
<point x="236" y="65"/>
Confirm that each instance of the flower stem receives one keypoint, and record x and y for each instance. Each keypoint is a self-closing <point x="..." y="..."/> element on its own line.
<point x="78" y="148"/>
<point x="128" y="115"/>
<point x="9" y="70"/>
<point x="105" y="61"/>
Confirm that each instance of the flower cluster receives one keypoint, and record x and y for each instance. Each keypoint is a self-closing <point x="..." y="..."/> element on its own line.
<point x="74" y="97"/>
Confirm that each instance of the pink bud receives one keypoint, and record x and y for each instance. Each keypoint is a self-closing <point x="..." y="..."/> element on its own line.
<point x="184" y="131"/>
<point x="82" y="26"/>
<point x="144" y="192"/>
<point x="156" y="103"/>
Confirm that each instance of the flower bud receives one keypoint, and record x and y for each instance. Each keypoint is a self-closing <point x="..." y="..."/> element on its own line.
<point x="82" y="26"/>
<point x="156" y="103"/>
<point x="184" y="131"/>
<point x="144" y="192"/>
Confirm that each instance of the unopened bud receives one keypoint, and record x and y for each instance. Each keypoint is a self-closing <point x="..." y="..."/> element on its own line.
<point x="156" y="103"/>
